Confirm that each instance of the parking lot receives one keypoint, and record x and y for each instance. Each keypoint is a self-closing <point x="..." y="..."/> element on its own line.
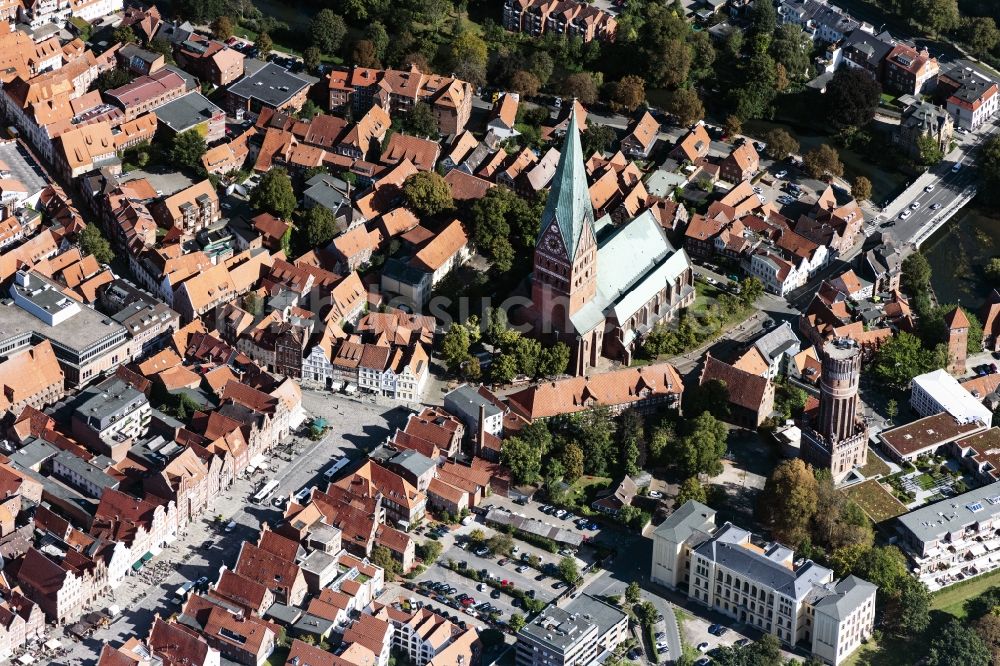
<point x="518" y="574"/>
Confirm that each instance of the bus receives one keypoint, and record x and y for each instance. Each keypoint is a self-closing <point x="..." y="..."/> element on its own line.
<point x="264" y="492"/>
<point x="336" y="467"/>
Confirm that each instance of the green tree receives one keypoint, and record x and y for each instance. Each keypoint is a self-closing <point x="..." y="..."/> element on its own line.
<point x="702" y="54"/>
<point x="701" y="451"/>
<point x="633" y="593"/>
<point x="312" y="58"/>
<point x="124" y="35"/>
<point x="763" y="18"/>
<point x="788" y="501"/>
<point x="504" y="369"/>
<point x="711" y="396"/>
<point x="891" y="409"/>
<point x="751" y="289"/>
<point x="112" y="78"/>
<point x="382" y="557"/>
<point x="661" y="442"/>
<point x="222" y="27"/>
<point x="541" y="64"/>
<point x="957" y="644"/>
<point x="908" y="612"/>
<point x="500" y="544"/>
<point x="862" y="188"/>
<point x="792" y="48"/>
<point x="522" y="459"/>
<point x="92" y="241"/>
<point x="992" y="270"/>
<point x="265" y="45"/>
<point x="929" y="152"/>
<point x="597" y="138"/>
<point x="595" y="432"/>
<point x="670" y="66"/>
<point x="685" y="104"/>
<point x="527" y="352"/>
<point x="852" y="97"/>
<point x="327" y="31"/>
<point x="455" y="347"/>
<point x="938" y="16"/>
<point x="823" y="160"/>
<point x="916" y="274"/>
<point x="187" y="149"/>
<point x="309" y="111"/>
<point x="780" y="144"/>
<point x="428" y="193"/>
<point x="516" y="622"/>
<point x="429" y="551"/>
<point x="981" y="34"/>
<point x="580" y="85"/>
<point x="321" y="226"/>
<point x="754" y="97"/>
<point x="902" y="358"/>
<point x="845" y="560"/>
<point x="379" y="37"/>
<point x="274" y="194"/>
<point x="568" y="570"/>
<point x="933" y="329"/>
<point x="421" y="120"/>
<point x="468" y="57"/>
<point x="553" y="360"/>
<point x="572" y="460"/>
<point x="691" y="489"/>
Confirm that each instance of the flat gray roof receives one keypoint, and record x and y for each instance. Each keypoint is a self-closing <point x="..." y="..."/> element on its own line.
<point x="77" y="334"/>
<point x="561" y="628"/>
<point x="954" y="514"/>
<point x="186" y="112"/>
<point x="272" y="85"/>
<point x="22" y="166"/>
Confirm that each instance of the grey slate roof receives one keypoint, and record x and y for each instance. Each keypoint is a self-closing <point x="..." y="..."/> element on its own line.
<point x="466" y="400"/>
<point x="847" y="595"/>
<point x="569" y="199"/>
<point x="682" y="523"/>
<point x="780" y="340"/>
<point x="414" y="462"/>
<point x="766" y="568"/>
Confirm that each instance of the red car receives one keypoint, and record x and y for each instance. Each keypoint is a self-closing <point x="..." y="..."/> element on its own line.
<point x="232" y="40"/>
<point x="468" y="601"/>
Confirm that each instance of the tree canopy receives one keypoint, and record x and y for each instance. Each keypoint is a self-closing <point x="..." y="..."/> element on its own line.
<point x="274" y="193"/>
<point x="852" y="96"/>
<point x="92" y="241"/>
<point x="427" y="193"/>
<point x="187" y="149"/>
<point x="327" y="31"/>
<point x="788" y="502"/>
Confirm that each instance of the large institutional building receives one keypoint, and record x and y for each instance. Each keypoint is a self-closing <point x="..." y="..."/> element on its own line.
<point x="597" y="286"/>
<point x="837" y="437"/>
<point x="761" y="584"/>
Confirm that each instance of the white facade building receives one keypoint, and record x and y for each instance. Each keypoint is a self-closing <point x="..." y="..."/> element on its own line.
<point x="937" y="391"/>
<point x="762" y="584"/>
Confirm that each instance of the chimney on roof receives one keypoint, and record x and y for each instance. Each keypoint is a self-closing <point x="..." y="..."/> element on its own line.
<point x="482" y="429"/>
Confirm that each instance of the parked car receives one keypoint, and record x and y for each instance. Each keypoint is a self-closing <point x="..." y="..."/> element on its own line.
<point x="703" y="647"/>
<point x="482" y="551"/>
<point x="655" y="494"/>
<point x="781" y="174"/>
<point x="495" y="594"/>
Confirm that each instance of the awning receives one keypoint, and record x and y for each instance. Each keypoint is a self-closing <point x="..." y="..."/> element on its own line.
<point x="142" y="561"/>
<point x="155" y="550"/>
<point x="26" y="659"/>
<point x="296" y="418"/>
<point x="977" y="549"/>
<point x="258" y="460"/>
<point x="53" y="644"/>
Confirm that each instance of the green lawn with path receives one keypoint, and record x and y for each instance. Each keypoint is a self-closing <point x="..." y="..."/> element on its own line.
<point x="952" y="599"/>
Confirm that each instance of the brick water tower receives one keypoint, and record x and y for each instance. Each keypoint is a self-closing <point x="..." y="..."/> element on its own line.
<point x="836" y="438"/>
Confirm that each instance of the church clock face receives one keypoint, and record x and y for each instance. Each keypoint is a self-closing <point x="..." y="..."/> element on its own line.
<point x="553" y="244"/>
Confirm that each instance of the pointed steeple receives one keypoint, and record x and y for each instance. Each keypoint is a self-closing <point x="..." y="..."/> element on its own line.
<point x="569" y="199"/>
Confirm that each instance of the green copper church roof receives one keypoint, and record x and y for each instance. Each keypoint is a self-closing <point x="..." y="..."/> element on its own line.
<point x="569" y="199"/>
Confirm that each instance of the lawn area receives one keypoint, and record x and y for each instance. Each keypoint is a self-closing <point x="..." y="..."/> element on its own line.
<point x="925" y="481"/>
<point x="951" y="599"/>
<point x="583" y="490"/>
<point x="875" y="500"/>
<point x="890" y="651"/>
<point x="706" y="295"/>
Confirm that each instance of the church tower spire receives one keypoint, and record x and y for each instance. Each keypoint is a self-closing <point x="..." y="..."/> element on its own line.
<point x="565" y="266"/>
